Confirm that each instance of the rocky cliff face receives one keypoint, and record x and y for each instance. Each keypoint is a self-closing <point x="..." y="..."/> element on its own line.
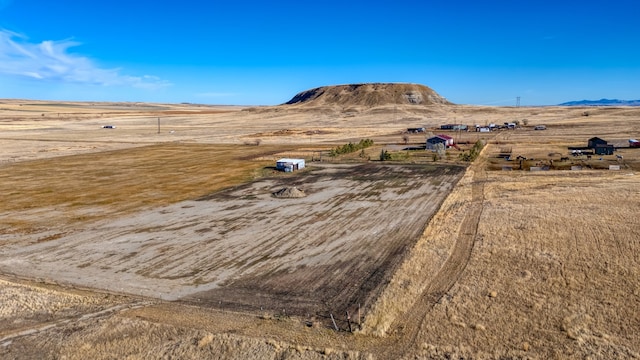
<point x="374" y="94"/>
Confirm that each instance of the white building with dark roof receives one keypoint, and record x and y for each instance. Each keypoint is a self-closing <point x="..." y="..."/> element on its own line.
<point x="290" y="165"/>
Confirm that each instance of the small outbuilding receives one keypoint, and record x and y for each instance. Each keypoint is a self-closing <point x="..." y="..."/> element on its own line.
<point x="604" y="149"/>
<point x="455" y="127"/>
<point x="290" y="165"/>
<point x="439" y="139"/>
<point x="449" y="139"/>
<point x="432" y="143"/>
<point x="595" y="141"/>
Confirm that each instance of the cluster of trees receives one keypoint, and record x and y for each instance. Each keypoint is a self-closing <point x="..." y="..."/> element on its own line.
<point x="473" y="153"/>
<point x="351" y="147"/>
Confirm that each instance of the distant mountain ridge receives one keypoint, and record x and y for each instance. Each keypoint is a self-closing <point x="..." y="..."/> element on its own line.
<point x="602" y="102"/>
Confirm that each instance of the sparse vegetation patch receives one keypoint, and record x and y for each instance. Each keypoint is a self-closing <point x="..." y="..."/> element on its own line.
<point x="351" y="147"/>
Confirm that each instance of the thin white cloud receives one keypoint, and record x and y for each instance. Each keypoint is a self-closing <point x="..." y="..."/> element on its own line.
<point x="51" y="60"/>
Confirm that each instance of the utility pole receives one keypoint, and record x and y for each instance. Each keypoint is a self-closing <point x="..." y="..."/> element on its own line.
<point x="518" y="101"/>
<point x="158" y="125"/>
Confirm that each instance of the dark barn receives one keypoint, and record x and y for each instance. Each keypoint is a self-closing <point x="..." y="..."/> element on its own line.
<point x="595" y="141"/>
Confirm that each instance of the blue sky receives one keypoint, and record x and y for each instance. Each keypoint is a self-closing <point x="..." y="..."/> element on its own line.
<point x="263" y="53"/>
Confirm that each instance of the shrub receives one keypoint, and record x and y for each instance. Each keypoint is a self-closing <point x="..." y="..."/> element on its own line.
<point x="385" y="155"/>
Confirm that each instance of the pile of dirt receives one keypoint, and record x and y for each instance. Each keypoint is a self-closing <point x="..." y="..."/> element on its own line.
<point x="372" y="94"/>
<point x="289" y="193"/>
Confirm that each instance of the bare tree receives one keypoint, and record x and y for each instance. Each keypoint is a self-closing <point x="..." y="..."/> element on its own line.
<point x="441" y="150"/>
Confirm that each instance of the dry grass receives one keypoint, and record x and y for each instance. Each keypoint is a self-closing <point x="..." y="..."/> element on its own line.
<point x="88" y="186"/>
<point x="131" y="338"/>
<point x="554" y="270"/>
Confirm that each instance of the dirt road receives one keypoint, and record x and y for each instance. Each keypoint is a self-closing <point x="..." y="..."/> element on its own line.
<point x="408" y="327"/>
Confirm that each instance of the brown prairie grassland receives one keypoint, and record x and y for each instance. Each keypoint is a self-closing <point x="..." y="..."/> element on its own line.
<point x="514" y="264"/>
<point x="85" y="187"/>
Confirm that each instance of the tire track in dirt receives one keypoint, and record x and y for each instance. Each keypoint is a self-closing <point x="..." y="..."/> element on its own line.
<point x="411" y="324"/>
<point x="52" y="324"/>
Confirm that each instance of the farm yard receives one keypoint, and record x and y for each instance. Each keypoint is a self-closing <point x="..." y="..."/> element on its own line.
<point x="139" y="243"/>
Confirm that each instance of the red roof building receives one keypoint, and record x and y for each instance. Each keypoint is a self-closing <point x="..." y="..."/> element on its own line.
<point x="447" y="138"/>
